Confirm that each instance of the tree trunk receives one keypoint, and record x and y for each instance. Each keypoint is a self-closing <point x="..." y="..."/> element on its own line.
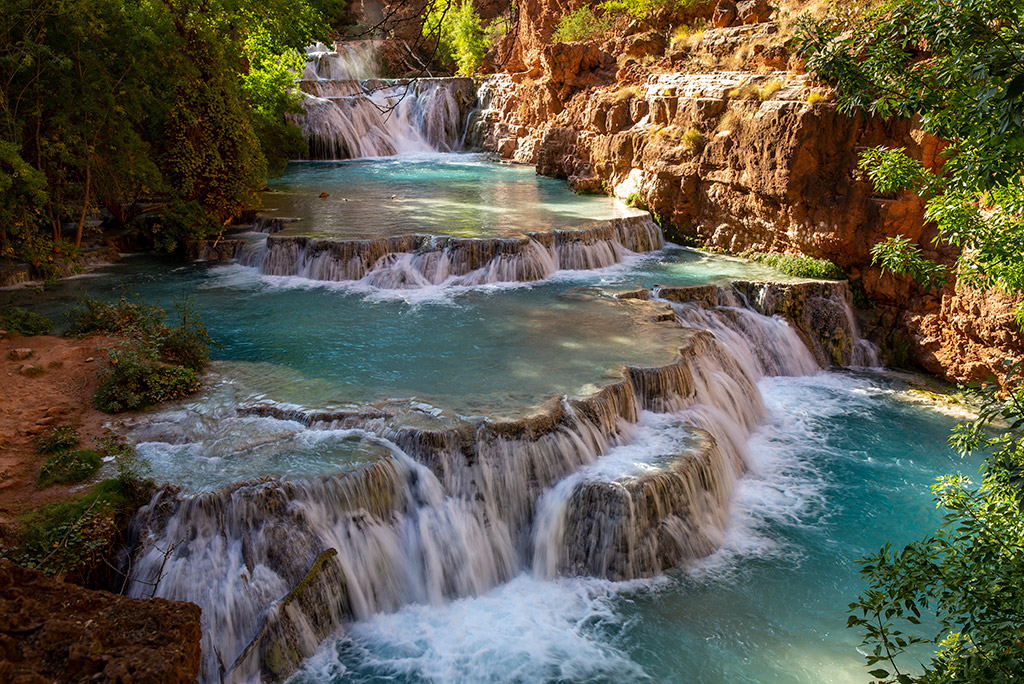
<point x="85" y="207"/>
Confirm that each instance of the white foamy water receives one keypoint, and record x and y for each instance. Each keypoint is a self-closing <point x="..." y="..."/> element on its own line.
<point x="714" y="620"/>
<point x="524" y="631"/>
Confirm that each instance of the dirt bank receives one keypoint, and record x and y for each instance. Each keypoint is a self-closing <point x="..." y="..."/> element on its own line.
<point x="51" y="386"/>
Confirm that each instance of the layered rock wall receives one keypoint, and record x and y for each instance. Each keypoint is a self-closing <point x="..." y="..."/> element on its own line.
<point x="740" y="161"/>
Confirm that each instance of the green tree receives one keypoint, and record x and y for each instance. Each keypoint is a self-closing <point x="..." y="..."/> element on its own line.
<point x="959" y="66"/>
<point x="967" y="575"/>
<point x="459" y="33"/>
<point x="141" y="106"/>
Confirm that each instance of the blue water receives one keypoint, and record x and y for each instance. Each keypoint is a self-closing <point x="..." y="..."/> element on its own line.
<point x="451" y="194"/>
<point x="486" y="348"/>
<point x="843" y="464"/>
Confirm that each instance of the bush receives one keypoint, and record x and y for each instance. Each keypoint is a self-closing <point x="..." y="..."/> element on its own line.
<point x="730" y="121"/>
<point x="183" y="221"/>
<point x="32" y="371"/>
<point x="816" y="96"/>
<point x="69" y="466"/>
<point x="90" y="315"/>
<point x="55" y="440"/>
<point x="641" y="10"/>
<point x="73" y="536"/>
<point x="693" y="141"/>
<point x="156" y="363"/>
<point x="188" y="343"/>
<point x="582" y="24"/>
<point x="799" y="266"/>
<point x="136" y="379"/>
<point x="746" y="91"/>
<point x="769" y="89"/>
<point x="635" y="199"/>
<point x="687" y="35"/>
<point x="132" y="471"/>
<point x="22" y="322"/>
<point x="459" y="33"/>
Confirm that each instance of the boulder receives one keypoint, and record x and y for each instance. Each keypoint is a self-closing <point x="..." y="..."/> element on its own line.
<point x="570" y="66"/>
<point x="641" y="44"/>
<point x="753" y="11"/>
<point x="725" y="14"/>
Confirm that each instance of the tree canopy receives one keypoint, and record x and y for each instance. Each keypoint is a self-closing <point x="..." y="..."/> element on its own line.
<point x="129" y="106"/>
<point x="958" y="65"/>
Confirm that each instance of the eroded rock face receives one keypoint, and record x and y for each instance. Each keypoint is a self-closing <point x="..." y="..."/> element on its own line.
<point x="213" y="250"/>
<point x="745" y="162"/>
<point x="52" y="631"/>
<point x="971" y="336"/>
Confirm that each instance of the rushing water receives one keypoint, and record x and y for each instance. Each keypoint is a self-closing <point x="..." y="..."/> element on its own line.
<point x="352" y="113"/>
<point x="842" y="464"/>
<point x="478" y="451"/>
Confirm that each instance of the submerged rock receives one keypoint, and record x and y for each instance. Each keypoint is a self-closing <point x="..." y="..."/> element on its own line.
<point x="641" y="526"/>
<point x="213" y="250"/>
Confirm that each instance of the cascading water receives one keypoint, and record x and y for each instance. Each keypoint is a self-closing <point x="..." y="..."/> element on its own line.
<point x="454" y="511"/>
<point x="350" y="112"/>
<point x="417" y="261"/>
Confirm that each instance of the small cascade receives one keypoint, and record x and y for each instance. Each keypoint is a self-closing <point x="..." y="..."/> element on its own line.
<point x="414" y="261"/>
<point x="819" y="315"/>
<point x="620" y="521"/>
<point x="623" y="483"/>
<point x="349" y="112"/>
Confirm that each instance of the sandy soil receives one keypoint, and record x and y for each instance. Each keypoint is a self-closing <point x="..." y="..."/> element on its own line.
<point x="60" y="395"/>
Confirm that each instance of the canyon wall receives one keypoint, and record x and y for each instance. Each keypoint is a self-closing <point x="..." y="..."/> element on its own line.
<point x="734" y="161"/>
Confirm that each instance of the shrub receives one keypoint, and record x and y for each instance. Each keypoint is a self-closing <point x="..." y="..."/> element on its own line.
<point x="156" y="363"/>
<point x="183" y="221"/>
<point x="32" y="371"/>
<point x="22" y="322"/>
<point x="799" y="266"/>
<point x="745" y="91"/>
<point x="769" y="89"/>
<point x="74" y="535"/>
<point x="132" y="471"/>
<point x="136" y="379"/>
<point x="89" y="316"/>
<point x="635" y="199"/>
<point x="69" y="466"/>
<point x="641" y="10"/>
<point x="459" y="33"/>
<point x="692" y="141"/>
<point x="55" y="440"/>
<point x="687" y="35"/>
<point x="624" y="93"/>
<point x="730" y="121"/>
<point x="188" y="343"/>
<point x="582" y="24"/>
<point x="817" y="96"/>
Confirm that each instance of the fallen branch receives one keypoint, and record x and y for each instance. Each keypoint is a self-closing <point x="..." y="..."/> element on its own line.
<point x="278" y="606"/>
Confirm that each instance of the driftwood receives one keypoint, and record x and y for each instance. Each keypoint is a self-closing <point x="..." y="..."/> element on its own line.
<point x="274" y="609"/>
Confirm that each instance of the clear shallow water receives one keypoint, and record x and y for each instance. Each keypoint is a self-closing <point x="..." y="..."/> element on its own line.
<point x="483" y="350"/>
<point x="843" y="464"/>
<point x="465" y="195"/>
<point x="488" y="348"/>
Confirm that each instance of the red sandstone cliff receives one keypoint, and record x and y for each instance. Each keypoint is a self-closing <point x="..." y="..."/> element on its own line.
<point x="739" y="160"/>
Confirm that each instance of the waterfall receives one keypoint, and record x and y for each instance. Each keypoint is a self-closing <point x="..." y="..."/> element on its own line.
<point x="423" y="260"/>
<point x="623" y="483"/>
<point x="350" y="112"/>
